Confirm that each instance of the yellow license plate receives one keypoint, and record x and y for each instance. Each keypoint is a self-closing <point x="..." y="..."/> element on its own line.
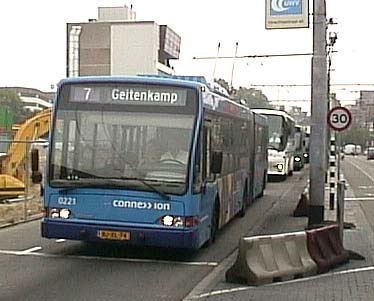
<point x="115" y="235"/>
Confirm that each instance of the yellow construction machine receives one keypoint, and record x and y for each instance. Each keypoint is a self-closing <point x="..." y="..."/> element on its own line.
<point x="13" y="169"/>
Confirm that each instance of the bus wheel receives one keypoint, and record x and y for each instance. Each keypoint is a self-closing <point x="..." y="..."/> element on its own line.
<point x="213" y="226"/>
<point x="263" y="186"/>
<point x="244" y="203"/>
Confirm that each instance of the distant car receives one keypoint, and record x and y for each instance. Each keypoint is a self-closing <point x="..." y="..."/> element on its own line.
<point x="370" y="153"/>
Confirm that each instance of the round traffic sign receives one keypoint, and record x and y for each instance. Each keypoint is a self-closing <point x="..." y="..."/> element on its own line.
<point x="339" y="118"/>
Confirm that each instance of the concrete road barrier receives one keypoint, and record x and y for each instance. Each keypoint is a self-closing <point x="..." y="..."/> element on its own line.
<point x="266" y="259"/>
<point x="326" y="248"/>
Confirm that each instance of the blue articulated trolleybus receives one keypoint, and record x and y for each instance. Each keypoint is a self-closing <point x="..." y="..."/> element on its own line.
<point x="147" y="161"/>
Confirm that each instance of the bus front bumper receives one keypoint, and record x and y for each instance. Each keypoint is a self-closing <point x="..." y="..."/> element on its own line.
<point x="137" y="236"/>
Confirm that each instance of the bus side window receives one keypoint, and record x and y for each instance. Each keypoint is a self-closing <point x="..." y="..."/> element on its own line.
<point x="197" y="176"/>
<point x="206" y="151"/>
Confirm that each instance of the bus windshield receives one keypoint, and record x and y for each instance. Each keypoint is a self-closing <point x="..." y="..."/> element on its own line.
<point x="139" y="149"/>
<point x="276" y="132"/>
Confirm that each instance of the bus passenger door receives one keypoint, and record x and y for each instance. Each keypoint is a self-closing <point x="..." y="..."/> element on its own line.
<point x="203" y="183"/>
<point x="252" y="159"/>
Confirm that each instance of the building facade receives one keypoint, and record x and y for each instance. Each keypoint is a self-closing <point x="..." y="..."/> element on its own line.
<point x="33" y="100"/>
<point x="117" y="44"/>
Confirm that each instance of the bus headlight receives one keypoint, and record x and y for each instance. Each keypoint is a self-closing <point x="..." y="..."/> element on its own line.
<point x="178" y="221"/>
<point x="54" y="213"/>
<point x="280" y="167"/>
<point x="64" y="213"/>
<point x="59" y="213"/>
<point x="167" y="220"/>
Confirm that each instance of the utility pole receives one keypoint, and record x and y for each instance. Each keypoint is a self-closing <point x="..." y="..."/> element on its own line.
<point x="215" y="62"/>
<point x="318" y="135"/>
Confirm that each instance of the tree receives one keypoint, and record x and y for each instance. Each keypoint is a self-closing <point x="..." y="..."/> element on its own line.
<point x="10" y="100"/>
<point x="354" y="135"/>
<point x="254" y="98"/>
<point x="224" y="84"/>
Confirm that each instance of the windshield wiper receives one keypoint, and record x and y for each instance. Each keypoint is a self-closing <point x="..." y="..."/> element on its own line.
<point x="110" y="182"/>
<point x="74" y="185"/>
<point x="153" y="188"/>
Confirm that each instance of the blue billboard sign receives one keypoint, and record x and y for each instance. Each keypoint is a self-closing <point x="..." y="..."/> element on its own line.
<point x="285" y="7"/>
<point x="287" y="14"/>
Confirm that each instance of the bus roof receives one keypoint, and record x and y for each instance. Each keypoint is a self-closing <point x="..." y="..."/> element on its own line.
<point x="273" y="112"/>
<point x="135" y="78"/>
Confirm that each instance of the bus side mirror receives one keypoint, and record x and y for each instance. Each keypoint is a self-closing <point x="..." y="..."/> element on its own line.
<point x="36" y="176"/>
<point x="216" y="165"/>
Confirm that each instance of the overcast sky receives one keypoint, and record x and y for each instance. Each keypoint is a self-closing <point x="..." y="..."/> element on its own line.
<point x="33" y="42"/>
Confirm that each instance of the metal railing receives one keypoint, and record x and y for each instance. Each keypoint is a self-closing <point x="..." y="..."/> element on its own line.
<point x="15" y="171"/>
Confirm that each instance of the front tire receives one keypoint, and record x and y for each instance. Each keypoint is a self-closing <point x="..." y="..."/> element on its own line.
<point x="263" y="185"/>
<point x="213" y="226"/>
<point x="245" y="201"/>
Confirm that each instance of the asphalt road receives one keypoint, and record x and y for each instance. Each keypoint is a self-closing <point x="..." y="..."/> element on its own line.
<point x="33" y="268"/>
<point x="359" y="173"/>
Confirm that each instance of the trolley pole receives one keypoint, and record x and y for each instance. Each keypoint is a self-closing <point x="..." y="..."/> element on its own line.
<point x="318" y="118"/>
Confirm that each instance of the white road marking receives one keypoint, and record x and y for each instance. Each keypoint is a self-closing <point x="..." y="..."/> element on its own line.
<point x="359" y="199"/>
<point x="244" y="288"/>
<point x="60" y="240"/>
<point x="363" y="171"/>
<point x="365" y="187"/>
<point x="30" y="252"/>
<point x="211" y="277"/>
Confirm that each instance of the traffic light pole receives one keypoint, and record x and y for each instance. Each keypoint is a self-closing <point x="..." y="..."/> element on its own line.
<point x="318" y="143"/>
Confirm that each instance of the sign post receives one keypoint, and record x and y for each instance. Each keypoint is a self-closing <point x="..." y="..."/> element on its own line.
<point x="339" y="119"/>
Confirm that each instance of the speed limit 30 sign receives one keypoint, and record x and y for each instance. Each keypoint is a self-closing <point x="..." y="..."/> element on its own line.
<point x="339" y="118"/>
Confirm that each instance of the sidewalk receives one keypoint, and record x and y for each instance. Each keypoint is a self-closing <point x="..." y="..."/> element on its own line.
<point x="351" y="281"/>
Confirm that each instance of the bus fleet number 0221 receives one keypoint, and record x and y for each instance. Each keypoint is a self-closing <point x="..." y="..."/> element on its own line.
<point x="67" y="201"/>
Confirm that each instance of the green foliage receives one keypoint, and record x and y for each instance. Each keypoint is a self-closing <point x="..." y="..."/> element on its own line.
<point x="355" y="136"/>
<point x="223" y="83"/>
<point x="10" y="100"/>
<point x="254" y="98"/>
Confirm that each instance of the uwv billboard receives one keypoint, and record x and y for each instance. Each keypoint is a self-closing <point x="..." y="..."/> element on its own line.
<point x="287" y="14"/>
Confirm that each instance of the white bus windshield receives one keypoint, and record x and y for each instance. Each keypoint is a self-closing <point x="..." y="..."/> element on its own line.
<point x="276" y="132"/>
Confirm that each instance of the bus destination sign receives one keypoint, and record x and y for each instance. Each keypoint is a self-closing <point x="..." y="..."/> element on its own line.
<point x="129" y="95"/>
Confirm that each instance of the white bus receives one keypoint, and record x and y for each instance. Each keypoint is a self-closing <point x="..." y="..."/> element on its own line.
<point x="281" y="145"/>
